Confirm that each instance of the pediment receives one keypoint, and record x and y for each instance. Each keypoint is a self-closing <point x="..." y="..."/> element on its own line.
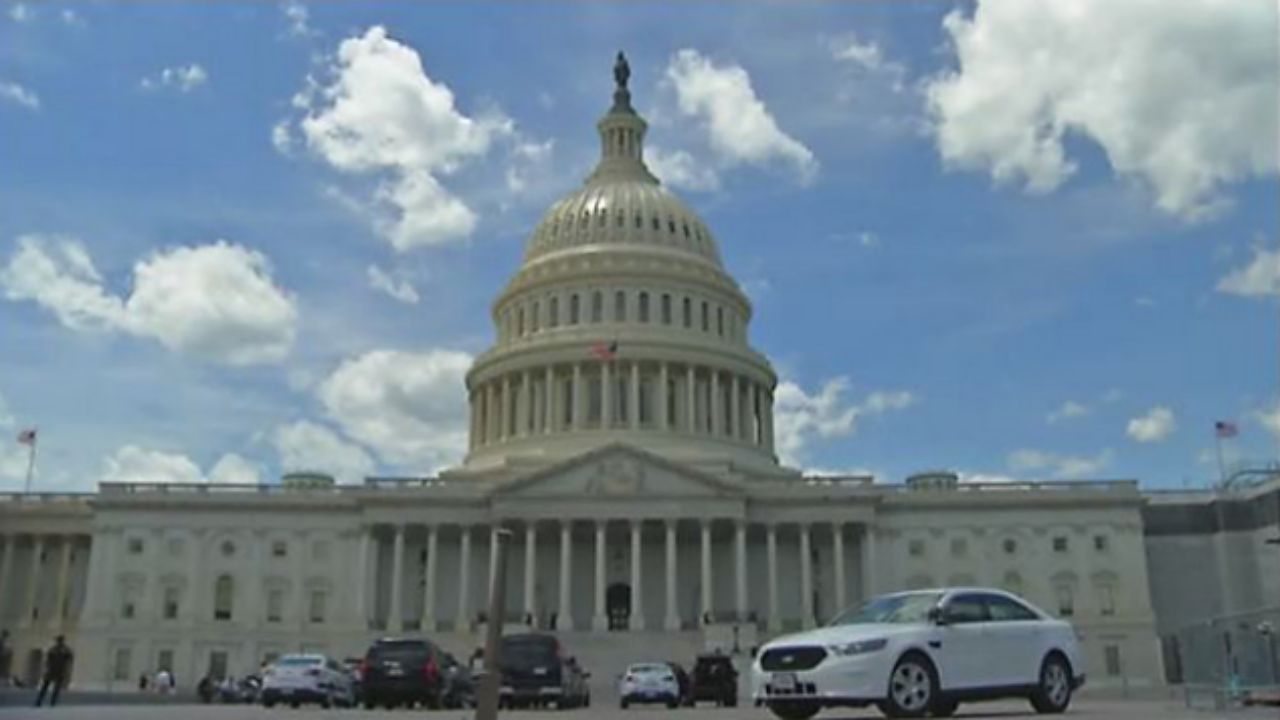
<point x="619" y="471"/>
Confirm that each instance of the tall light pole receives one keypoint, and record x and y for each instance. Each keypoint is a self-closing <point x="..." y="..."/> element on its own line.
<point x="491" y="681"/>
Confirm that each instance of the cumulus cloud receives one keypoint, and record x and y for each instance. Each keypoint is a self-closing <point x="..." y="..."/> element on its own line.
<point x="529" y="166"/>
<point x="401" y="290"/>
<point x="1180" y="95"/>
<point x="183" y="78"/>
<point x="739" y="126"/>
<point x="1156" y="425"/>
<point x="799" y="417"/>
<point x="18" y="95"/>
<point x="867" y="56"/>
<point x="1069" y="410"/>
<point x="141" y="465"/>
<point x="1059" y="466"/>
<point x="308" y="447"/>
<point x="296" y="14"/>
<point x="378" y="113"/>
<point x="218" y="301"/>
<point x="1269" y="418"/>
<point x="1259" y="278"/>
<point x="679" y="169"/>
<point x="410" y="408"/>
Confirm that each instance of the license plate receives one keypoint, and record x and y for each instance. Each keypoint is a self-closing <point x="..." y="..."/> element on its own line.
<point x="784" y="682"/>
<point x="395" y="672"/>
<point x="539" y="671"/>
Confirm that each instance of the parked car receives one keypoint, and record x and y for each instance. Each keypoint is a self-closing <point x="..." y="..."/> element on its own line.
<point x="460" y="690"/>
<point x="714" y="679"/>
<point x="403" y="671"/>
<point x="649" y="683"/>
<point x="306" y="678"/>
<point x="923" y="652"/>
<point x="537" y="672"/>
<point x="682" y="680"/>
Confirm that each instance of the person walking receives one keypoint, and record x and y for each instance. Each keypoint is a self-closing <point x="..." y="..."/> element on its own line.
<point x="57" y="663"/>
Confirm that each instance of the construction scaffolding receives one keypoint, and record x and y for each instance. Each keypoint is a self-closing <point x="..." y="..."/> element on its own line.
<point x="1227" y="661"/>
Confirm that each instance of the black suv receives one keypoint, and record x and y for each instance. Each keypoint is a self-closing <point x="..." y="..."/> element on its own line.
<point x="713" y="678"/>
<point x="536" y="672"/>
<point x="403" y="672"/>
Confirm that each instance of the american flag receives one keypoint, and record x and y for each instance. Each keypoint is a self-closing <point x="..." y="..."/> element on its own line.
<point x="605" y="350"/>
<point x="1224" y="429"/>
<point x="27" y="437"/>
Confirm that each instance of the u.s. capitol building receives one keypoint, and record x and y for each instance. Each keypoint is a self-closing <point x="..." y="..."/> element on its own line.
<point x="622" y="427"/>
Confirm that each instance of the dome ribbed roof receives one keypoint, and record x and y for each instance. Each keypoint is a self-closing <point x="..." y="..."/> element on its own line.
<point x="621" y="204"/>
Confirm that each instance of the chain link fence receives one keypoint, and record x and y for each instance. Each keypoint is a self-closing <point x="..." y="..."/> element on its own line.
<point x="1228" y="661"/>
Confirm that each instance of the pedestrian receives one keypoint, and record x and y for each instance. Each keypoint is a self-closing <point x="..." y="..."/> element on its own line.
<point x="205" y="689"/>
<point x="142" y="682"/>
<point x="57" y="661"/>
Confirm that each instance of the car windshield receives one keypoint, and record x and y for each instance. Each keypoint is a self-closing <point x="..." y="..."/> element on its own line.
<point x="299" y="661"/>
<point x="904" y="608"/>
<point x="527" y="652"/>
<point x="649" y="669"/>
<point x="400" y="652"/>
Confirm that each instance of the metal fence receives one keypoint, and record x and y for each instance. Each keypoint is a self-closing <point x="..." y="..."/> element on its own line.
<point x="1226" y="661"/>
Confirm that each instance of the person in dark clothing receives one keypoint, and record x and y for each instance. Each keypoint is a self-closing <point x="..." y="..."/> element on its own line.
<point x="57" y="663"/>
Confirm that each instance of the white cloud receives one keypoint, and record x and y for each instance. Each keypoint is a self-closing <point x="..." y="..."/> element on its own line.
<point x="401" y="290"/>
<point x="6" y="417"/>
<point x="233" y="469"/>
<point x="868" y="239"/>
<point x="71" y="17"/>
<point x="305" y="446"/>
<point x="1178" y="94"/>
<point x="1269" y="418"/>
<point x="679" y="169"/>
<point x="15" y="93"/>
<point x="297" y="16"/>
<point x="281" y="138"/>
<point x="529" y="165"/>
<point x="1154" y="426"/>
<point x="1259" y="278"/>
<point x="184" y="78"/>
<point x="1067" y="411"/>
<point x="134" y="464"/>
<point x="411" y="408"/>
<point x="381" y="114"/>
<point x="868" y="57"/>
<point x="739" y="127"/>
<point x="20" y="13"/>
<point x="216" y="301"/>
<point x="800" y="417"/>
<point x="1058" y="466"/>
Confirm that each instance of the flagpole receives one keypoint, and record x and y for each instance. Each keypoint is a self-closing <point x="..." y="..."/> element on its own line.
<point x="1222" y="467"/>
<point x="31" y="464"/>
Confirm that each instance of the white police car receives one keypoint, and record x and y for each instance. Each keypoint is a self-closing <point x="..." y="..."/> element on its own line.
<point x="649" y="683"/>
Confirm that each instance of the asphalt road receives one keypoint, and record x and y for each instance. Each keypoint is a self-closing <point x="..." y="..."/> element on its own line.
<point x="1083" y="709"/>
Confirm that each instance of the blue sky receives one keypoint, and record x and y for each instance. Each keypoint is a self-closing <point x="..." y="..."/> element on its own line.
<point x="237" y="239"/>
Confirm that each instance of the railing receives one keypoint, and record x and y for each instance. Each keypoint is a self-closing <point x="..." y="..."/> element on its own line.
<point x="402" y="482"/>
<point x="131" y="488"/>
<point x="1049" y="486"/>
<point x="44" y="497"/>
<point x="839" y="480"/>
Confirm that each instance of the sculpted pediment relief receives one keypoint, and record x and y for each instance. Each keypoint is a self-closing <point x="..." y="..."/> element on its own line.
<point x="618" y="472"/>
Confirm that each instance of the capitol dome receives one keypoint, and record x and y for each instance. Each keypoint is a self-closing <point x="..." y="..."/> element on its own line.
<point x="621" y="326"/>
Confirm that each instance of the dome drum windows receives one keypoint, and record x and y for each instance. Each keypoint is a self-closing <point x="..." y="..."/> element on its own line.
<point x="642" y="307"/>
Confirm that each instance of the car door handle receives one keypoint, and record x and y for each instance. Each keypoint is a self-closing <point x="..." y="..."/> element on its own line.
<point x="935" y="644"/>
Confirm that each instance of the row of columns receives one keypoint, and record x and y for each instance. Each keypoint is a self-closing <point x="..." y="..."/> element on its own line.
<point x="528" y="403"/>
<point x="599" y="616"/>
<point x="40" y="543"/>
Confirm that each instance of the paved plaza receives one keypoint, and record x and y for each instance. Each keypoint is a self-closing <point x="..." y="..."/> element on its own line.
<point x="1084" y="709"/>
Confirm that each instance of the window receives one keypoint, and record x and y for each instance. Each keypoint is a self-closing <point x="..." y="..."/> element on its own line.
<point x="135" y="546"/>
<point x="1111" y="659"/>
<point x="666" y="308"/>
<point x="275" y="605"/>
<point x="688" y="313"/>
<point x="170" y="608"/>
<point x="620" y="306"/>
<point x="720" y="321"/>
<point x="279" y="548"/>
<point x="553" y="312"/>
<point x="315" y="608"/>
<point x="228" y="548"/>
<point x="620" y="219"/>
<point x="1107" y="599"/>
<point x="597" y="307"/>
<point x="966" y="609"/>
<point x="1060" y="544"/>
<point x="643" y="309"/>
<point x="1002" y="609"/>
<point x="1100" y="543"/>
<point x="573" y="309"/>
<point x="657" y="224"/>
<point x="218" y="664"/>
<point x="671" y="226"/>
<point x="706" y="317"/>
<point x="223" y="593"/>
<point x="127" y="610"/>
<point x="1010" y="546"/>
<point x="639" y="222"/>
<point x="520" y="322"/>
<point x="164" y="660"/>
<point x="959" y="546"/>
<point x="533" y="317"/>
<point x="121" y="669"/>
<point x="1066" y="599"/>
<point x="915" y="548"/>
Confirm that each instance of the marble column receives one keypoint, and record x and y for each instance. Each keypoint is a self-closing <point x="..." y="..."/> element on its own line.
<point x="428" y="621"/>
<point x="549" y="401"/>
<point x="197" y="583"/>
<point x="471" y="432"/>
<point x="494" y="414"/>
<point x="564" y="617"/>
<point x="771" y="543"/>
<point x="59" y="615"/>
<point x="33" y="580"/>
<point x="493" y="563"/>
<point x="508" y="411"/>
<point x="740" y="568"/>
<point x="395" y="621"/>
<point x="768" y="420"/>
<point x="868" y="551"/>
<point x="634" y="410"/>
<point x="691" y="400"/>
<point x="806" y="578"/>
<point x="525" y="418"/>
<point x="715" y="405"/>
<point x="463" y="622"/>
<point x="636" y="620"/>
<point x="6" y="567"/>
<point x="606" y="394"/>
<point x="600" y="620"/>
<point x="673" y="612"/>
<point x="363" y="583"/>
<point x="530" y="568"/>
<point x="578" y="405"/>
<point x="837" y="558"/>
<point x="663" y="400"/>
<point x="707" y="604"/>
<point x="735" y="408"/>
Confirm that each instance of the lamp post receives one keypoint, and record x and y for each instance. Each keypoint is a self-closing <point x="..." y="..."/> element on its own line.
<point x="490" y="682"/>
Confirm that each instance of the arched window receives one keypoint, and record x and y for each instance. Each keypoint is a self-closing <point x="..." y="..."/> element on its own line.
<point x="533" y="317"/>
<point x="1104" y="585"/>
<point x="520" y="322"/>
<point x="620" y="306"/>
<point x="688" y="313"/>
<point x="643" y="309"/>
<point x="720" y="321"/>
<point x="553" y="312"/>
<point x="597" y="307"/>
<point x="666" y="308"/>
<point x="223" y="597"/>
<point x="573" y="309"/>
<point x="1064" y="592"/>
<point x="706" y="317"/>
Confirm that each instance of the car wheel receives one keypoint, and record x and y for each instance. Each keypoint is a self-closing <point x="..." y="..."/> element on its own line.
<point x="672" y="703"/>
<point x="268" y="703"/>
<point x="326" y="702"/>
<point x="294" y="704"/>
<point x="944" y="708"/>
<point x="1053" y="694"/>
<point x="368" y="705"/>
<point x="913" y="685"/>
<point x="623" y="703"/>
<point x="794" y="709"/>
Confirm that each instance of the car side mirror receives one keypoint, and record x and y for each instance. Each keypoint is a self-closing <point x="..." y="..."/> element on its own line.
<point x="937" y="616"/>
